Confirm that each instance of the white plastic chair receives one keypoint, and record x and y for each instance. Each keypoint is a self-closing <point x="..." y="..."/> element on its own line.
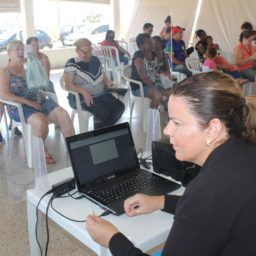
<point x="123" y="44"/>
<point x="26" y="132"/>
<point x="144" y="102"/>
<point x="194" y="54"/>
<point x="25" y="127"/>
<point x="193" y="65"/>
<point x="132" y="46"/>
<point x="83" y="115"/>
<point x="111" y="62"/>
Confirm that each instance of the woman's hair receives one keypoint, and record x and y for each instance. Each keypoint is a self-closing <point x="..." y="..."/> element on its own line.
<point x="30" y="39"/>
<point x="246" y="26"/>
<point x="211" y="52"/>
<point x="168" y="19"/>
<point x="217" y="95"/>
<point x="200" y="32"/>
<point x="109" y="32"/>
<point x="13" y="44"/>
<point x="82" y="42"/>
<point x="142" y="38"/>
<point x="245" y="34"/>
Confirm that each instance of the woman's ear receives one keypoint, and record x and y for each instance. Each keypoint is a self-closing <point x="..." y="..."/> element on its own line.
<point x="215" y="130"/>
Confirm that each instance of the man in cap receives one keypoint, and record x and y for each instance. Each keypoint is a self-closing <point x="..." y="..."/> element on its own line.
<point x="176" y="50"/>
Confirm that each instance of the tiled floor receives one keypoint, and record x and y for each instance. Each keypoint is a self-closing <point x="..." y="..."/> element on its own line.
<point x="16" y="178"/>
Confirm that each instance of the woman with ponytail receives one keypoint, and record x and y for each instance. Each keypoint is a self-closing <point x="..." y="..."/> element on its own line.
<point x="211" y="124"/>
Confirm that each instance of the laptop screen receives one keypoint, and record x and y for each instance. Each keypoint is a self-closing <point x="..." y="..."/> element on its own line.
<point x="102" y="154"/>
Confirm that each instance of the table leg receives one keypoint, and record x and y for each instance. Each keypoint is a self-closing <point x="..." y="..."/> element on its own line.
<point x="31" y="215"/>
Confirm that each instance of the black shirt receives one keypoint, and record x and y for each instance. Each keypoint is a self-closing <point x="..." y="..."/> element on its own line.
<point x="216" y="216"/>
<point x="151" y="67"/>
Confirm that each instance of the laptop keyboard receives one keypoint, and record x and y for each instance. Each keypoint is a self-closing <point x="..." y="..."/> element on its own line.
<point x="142" y="180"/>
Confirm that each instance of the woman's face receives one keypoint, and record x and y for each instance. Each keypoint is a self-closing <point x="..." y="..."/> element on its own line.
<point x="247" y="41"/>
<point x="148" y="45"/>
<point x="186" y="135"/>
<point x="111" y="36"/>
<point x="84" y="53"/>
<point x="34" y="46"/>
<point x="16" y="54"/>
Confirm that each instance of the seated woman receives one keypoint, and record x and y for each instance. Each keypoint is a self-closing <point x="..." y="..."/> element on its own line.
<point x="215" y="62"/>
<point x="211" y="124"/>
<point x="38" y="110"/>
<point x="245" y="56"/>
<point x="211" y="44"/>
<point x="84" y="74"/>
<point x="109" y="41"/>
<point x="201" y="45"/>
<point x="43" y="58"/>
<point x="162" y="57"/>
<point x="145" y="68"/>
<point x="167" y="26"/>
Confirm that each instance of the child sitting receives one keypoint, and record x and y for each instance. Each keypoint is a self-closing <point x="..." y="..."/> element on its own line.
<point x="209" y="63"/>
<point x="218" y="62"/>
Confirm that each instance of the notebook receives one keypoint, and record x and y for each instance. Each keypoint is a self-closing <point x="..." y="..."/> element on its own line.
<point x="106" y="167"/>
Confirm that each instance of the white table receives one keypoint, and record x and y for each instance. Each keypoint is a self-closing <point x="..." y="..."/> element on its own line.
<point x="145" y="231"/>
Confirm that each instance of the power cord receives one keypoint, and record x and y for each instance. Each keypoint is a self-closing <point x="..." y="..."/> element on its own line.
<point x="56" y="194"/>
<point x="36" y="228"/>
<point x="145" y="162"/>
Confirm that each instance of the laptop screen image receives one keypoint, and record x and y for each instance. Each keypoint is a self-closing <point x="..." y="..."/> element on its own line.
<point x="100" y="157"/>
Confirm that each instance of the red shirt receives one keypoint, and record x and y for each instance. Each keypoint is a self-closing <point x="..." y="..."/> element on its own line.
<point x="110" y="43"/>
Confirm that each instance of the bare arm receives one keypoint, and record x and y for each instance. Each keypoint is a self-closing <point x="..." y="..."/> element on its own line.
<point x="238" y="57"/>
<point x="69" y="84"/>
<point x="139" y="64"/>
<point x="5" y="93"/>
<point x="175" y="60"/>
<point x="109" y="83"/>
<point x="120" y="48"/>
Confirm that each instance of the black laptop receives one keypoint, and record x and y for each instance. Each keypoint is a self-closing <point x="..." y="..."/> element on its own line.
<point x="107" y="170"/>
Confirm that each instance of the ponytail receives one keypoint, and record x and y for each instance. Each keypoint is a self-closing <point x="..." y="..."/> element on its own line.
<point x="249" y="132"/>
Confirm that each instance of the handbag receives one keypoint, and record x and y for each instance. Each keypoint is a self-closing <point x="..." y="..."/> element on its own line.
<point x="35" y="75"/>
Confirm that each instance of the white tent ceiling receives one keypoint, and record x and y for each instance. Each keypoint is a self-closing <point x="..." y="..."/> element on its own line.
<point x="220" y="18"/>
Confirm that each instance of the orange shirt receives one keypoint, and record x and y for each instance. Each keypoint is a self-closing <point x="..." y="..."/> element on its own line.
<point x="245" y="54"/>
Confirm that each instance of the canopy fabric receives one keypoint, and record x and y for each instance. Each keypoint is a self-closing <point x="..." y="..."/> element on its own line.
<point x="220" y="19"/>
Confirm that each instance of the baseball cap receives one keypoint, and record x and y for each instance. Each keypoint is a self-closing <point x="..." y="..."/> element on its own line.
<point x="177" y="29"/>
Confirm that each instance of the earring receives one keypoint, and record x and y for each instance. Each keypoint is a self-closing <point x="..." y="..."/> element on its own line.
<point x="208" y="143"/>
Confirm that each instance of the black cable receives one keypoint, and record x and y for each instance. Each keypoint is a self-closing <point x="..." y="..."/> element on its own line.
<point x="47" y="225"/>
<point x="81" y="221"/>
<point x="50" y="203"/>
<point x="37" y="208"/>
<point x="68" y="218"/>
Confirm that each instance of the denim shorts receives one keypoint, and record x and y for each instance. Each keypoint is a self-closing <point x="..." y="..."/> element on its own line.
<point x="48" y="105"/>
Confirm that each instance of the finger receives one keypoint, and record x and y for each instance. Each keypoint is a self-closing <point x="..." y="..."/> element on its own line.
<point x="88" y="102"/>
